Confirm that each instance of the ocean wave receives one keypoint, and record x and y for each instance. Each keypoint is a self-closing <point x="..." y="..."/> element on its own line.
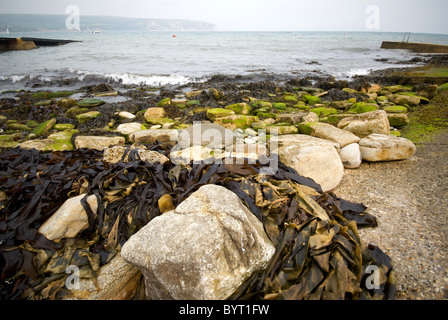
<point x="83" y="76"/>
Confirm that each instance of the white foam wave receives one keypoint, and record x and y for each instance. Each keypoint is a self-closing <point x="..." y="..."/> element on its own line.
<point x="136" y="79"/>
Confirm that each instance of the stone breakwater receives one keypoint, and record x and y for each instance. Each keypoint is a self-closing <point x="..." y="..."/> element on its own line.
<point x="318" y="133"/>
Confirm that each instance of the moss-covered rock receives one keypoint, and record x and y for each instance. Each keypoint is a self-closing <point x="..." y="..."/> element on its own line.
<point x="164" y="102"/>
<point x="216" y="93"/>
<point x="261" y="105"/>
<point x="89" y="103"/>
<point x="84" y="117"/>
<point x="217" y="113"/>
<point x="51" y="95"/>
<point x="43" y="103"/>
<point x="363" y="107"/>
<point x="191" y="103"/>
<point x="404" y="100"/>
<point x="160" y="121"/>
<point x="237" y="121"/>
<point x="32" y="123"/>
<point x="279" y="106"/>
<point x="44" y="128"/>
<point x="398" y="119"/>
<point x="324" y="111"/>
<point x="64" y="126"/>
<point x="395" y="109"/>
<point x="240" y="108"/>
<point x="10" y="140"/>
<point x="442" y="87"/>
<point x="74" y="111"/>
<point x="290" y="98"/>
<point x="67" y="103"/>
<point x="17" y="127"/>
<point x="335" y="118"/>
<point x="309" y="99"/>
<point x="266" y="115"/>
<point x="281" y="130"/>
<point x="398" y="88"/>
<point x="349" y="90"/>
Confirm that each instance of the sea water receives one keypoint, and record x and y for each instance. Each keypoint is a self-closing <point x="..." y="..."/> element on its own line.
<point x="175" y="57"/>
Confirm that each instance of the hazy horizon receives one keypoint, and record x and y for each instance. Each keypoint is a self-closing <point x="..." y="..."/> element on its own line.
<point x="414" y="16"/>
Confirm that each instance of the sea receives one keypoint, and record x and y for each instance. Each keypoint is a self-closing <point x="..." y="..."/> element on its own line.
<point x="164" y="58"/>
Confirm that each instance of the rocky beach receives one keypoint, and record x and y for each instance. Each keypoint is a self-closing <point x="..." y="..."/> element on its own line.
<point x="231" y="188"/>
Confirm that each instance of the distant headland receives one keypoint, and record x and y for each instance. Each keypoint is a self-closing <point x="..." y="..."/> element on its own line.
<point x="49" y="22"/>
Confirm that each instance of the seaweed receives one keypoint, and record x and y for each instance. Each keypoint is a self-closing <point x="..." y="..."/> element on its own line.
<point x="319" y="254"/>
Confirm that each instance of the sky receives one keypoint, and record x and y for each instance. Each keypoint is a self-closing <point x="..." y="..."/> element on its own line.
<point x="423" y="16"/>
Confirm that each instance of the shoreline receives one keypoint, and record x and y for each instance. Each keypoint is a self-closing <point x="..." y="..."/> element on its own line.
<point x="54" y="120"/>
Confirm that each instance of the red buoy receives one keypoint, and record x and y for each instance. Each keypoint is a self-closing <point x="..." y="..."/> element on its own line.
<point x="174" y="36"/>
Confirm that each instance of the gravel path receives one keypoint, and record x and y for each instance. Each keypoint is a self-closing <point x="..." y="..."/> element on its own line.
<point x="410" y="200"/>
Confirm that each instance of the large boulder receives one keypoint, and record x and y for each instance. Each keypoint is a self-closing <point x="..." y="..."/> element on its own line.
<point x="320" y="163"/>
<point x="404" y="100"/>
<point x="366" y="123"/>
<point x="204" y="249"/>
<point x="380" y="147"/>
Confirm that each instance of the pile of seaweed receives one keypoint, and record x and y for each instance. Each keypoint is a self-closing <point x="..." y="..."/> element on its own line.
<point x="319" y="254"/>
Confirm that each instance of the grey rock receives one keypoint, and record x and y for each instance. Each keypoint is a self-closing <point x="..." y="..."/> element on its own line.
<point x="204" y="249"/>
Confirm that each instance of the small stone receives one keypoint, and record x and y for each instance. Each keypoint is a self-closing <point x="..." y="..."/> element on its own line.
<point x="126" y="115"/>
<point x="88" y="103"/>
<point x="351" y="156"/>
<point x="165" y="203"/>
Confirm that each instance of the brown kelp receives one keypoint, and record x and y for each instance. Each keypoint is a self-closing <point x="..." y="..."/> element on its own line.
<point x="319" y="254"/>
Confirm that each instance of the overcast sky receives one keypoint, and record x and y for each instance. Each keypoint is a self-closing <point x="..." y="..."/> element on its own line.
<point x="426" y="16"/>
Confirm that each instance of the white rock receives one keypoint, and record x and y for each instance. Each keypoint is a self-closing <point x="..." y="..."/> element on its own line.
<point x="195" y="153"/>
<point x="98" y="142"/>
<point x="366" y="123"/>
<point x="318" y="162"/>
<point x="127" y="128"/>
<point x="126" y="115"/>
<point x="380" y="147"/>
<point x="204" y="249"/>
<point x="329" y="132"/>
<point x="69" y="219"/>
<point x="351" y="156"/>
<point x="300" y="140"/>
